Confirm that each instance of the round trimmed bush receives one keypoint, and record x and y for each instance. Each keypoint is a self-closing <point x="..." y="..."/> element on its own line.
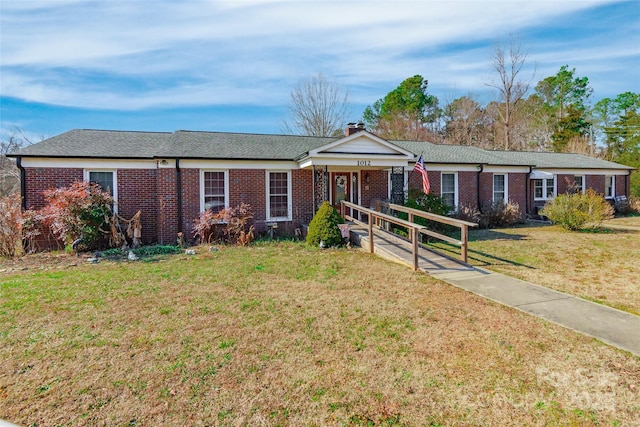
<point x="324" y="227"/>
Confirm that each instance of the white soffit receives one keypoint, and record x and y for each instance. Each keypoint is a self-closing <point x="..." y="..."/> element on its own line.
<point x="538" y="174"/>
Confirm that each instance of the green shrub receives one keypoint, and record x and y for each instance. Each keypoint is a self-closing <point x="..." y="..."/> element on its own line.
<point x="324" y="227"/>
<point x="427" y="203"/>
<point x="575" y="211"/>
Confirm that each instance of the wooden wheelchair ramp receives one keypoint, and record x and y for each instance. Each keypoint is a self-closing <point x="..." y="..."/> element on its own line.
<point x="388" y="246"/>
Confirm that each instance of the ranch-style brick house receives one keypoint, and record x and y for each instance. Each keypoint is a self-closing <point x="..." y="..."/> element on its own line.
<point x="173" y="176"/>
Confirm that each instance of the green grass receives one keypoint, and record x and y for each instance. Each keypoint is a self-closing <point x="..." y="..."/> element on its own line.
<point x="335" y="337"/>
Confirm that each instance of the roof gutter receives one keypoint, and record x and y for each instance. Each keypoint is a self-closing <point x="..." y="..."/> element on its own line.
<point x="179" y="194"/>
<point x="23" y="182"/>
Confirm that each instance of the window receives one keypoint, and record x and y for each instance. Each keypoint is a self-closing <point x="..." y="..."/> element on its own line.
<point x="609" y="186"/>
<point x="449" y="187"/>
<point x="104" y="179"/>
<point x="578" y="183"/>
<point x="214" y="190"/>
<point x="544" y="189"/>
<point x="500" y="188"/>
<point x="278" y="195"/>
<point x="107" y="180"/>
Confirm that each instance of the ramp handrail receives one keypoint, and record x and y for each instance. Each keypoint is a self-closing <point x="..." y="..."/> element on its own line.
<point x="462" y="225"/>
<point x="373" y="217"/>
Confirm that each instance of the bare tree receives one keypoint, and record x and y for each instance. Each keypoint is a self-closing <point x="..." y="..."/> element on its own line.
<point x="318" y="107"/>
<point x="9" y="173"/>
<point x="508" y="61"/>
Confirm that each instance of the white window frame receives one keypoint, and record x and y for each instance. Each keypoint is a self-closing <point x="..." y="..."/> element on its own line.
<point x="505" y="198"/>
<point x="544" y="188"/>
<point x="114" y="190"/>
<point x="289" y="195"/>
<point x="584" y="182"/>
<point x="456" y="191"/>
<point x="613" y="186"/>
<point x="226" y="187"/>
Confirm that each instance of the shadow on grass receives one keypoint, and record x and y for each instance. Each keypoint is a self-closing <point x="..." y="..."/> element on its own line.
<point x="482" y="259"/>
<point x="486" y="234"/>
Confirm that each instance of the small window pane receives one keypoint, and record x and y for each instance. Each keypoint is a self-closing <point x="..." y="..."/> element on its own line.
<point x="214" y="191"/>
<point x="549" y="188"/>
<point x="449" y="189"/>
<point x="278" y="194"/>
<point x="537" y="188"/>
<point x="498" y="188"/>
<point x="103" y="179"/>
<point x="578" y="184"/>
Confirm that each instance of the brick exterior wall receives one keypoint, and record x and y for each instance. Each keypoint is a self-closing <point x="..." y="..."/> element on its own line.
<point x="154" y="192"/>
<point x="137" y="190"/>
<point x="467" y="188"/>
<point x="167" y="206"/>
<point x="41" y="179"/>
<point x="190" y="183"/>
<point x="596" y="182"/>
<point x="376" y="189"/>
<point x="564" y="182"/>
<point x="302" y="193"/>
<point x="517" y="193"/>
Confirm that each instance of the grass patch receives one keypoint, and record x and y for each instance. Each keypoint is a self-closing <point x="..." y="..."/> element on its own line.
<point x="334" y="337"/>
<point x="600" y="265"/>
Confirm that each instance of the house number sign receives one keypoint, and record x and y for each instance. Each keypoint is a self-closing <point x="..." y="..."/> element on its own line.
<point x="364" y="162"/>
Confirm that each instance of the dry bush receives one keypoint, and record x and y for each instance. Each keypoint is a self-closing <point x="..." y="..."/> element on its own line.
<point x="232" y="225"/>
<point x="634" y="204"/>
<point x="499" y="214"/>
<point x="468" y="213"/>
<point x="10" y="225"/>
<point x="82" y="211"/>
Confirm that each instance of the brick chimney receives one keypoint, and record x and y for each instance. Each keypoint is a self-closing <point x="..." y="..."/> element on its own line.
<point x="353" y="128"/>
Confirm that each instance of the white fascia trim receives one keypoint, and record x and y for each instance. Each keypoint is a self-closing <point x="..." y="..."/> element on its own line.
<point x="289" y="196"/>
<point x="505" y="169"/>
<point x="238" y="164"/>
<point x="617" y="172"/>
<point x="354" y="161"/>
<point x="226" y="187"/>
<point x="450" y="167"/>
<point x="105" y="164"/>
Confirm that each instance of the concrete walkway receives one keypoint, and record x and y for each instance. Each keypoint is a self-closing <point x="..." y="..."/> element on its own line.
<point x="614" y="327"/>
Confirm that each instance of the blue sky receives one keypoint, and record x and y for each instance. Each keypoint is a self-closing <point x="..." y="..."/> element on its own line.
<point x="231" y="66"/>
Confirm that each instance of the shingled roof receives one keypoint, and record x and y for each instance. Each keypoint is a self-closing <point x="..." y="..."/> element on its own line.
<point x="89" y="143"/>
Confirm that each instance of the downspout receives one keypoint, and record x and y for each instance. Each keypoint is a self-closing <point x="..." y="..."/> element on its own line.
<point x="179" y="194"/>
<point x="23" y="182"/>
<point x="480" y="169"/>
<point x="526" y="190"/>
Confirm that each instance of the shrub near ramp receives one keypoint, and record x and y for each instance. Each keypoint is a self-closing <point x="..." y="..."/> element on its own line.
<point x="324" y="227"/>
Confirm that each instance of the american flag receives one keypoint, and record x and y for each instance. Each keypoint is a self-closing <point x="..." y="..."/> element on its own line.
<point x="419" y="167"/>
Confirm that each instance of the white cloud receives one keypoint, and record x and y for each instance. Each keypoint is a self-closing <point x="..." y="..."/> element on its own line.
<point x="145" y="54"/>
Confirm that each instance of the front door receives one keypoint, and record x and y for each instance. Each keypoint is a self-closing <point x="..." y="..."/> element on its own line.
<point x="340" y="188"/>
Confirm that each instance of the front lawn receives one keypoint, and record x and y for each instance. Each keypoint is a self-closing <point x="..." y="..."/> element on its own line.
<point x="602" y="266"/>
<point x="280" y="334"/>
